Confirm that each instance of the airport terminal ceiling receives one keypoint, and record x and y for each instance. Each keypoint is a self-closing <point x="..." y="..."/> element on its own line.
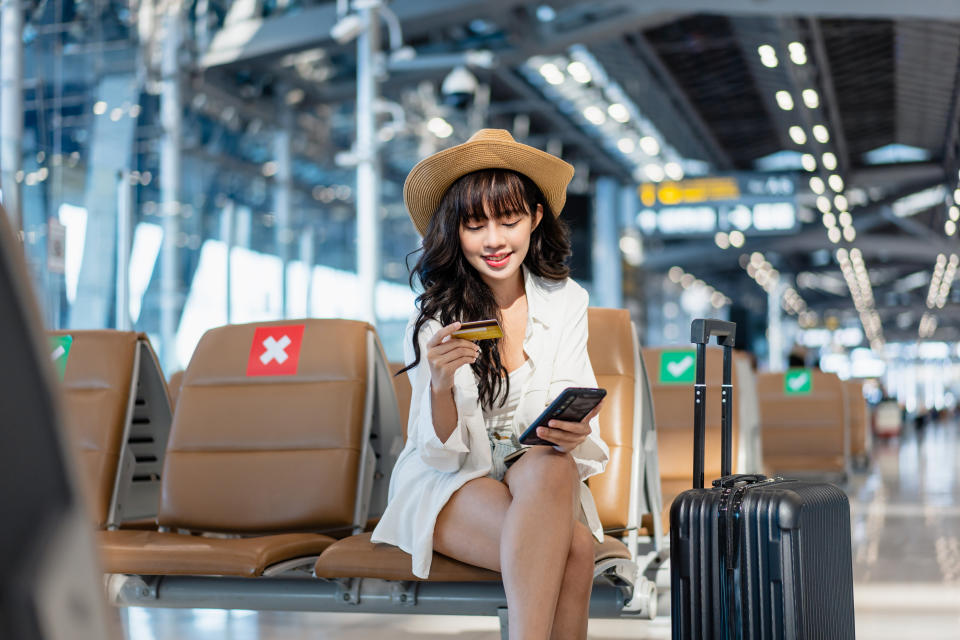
<point x="856" y="105"/>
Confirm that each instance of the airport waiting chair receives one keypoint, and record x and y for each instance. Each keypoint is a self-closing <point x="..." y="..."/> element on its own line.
<point x="173" y="387"/>
<point x="283" y="437"/>
<point x="356" y="575"/>
<point x="623" y="493"/>
<point x="804" y="433"/>
<point x="118" y="418"/>
<point x="857" y="414"/>
<point x="672" y="386"/>
<point x="403" y="392"/>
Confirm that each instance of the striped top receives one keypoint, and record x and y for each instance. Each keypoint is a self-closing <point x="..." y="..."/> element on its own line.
<point x="500" y="420"/>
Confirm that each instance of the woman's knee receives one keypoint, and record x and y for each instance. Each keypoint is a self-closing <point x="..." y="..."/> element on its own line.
<point x="543" y="469"/>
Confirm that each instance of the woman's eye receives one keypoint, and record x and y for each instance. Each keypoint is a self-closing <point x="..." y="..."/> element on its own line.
<point x="511" y="224"/>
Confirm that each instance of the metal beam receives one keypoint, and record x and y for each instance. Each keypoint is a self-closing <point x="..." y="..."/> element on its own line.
<point x="600" y="162"/>
<point x="931" y="9"/>
<point x="647" y="54"/>
<point x="822" y="62"/>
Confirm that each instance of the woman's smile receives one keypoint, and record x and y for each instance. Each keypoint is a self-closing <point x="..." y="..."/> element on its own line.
<point x="498" y="260"/>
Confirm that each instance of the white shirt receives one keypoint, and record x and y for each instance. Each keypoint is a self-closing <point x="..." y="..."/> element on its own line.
<point x="500" y="420"/>
<point x="428" y="471"/>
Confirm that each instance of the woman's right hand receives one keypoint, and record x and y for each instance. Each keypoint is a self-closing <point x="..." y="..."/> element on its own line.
<point x="445" y="355"/>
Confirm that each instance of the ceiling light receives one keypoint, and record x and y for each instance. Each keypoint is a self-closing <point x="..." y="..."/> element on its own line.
<point x="809" y="162"/>
<point x="956" y="196"/>
<point x="829" y="220"/>
<point x="440" y="127"/>
<point x="784" y="100"/>
<point x="811" y="98"/>
<point x="950" y="227"/>
<point x="737" y="238"/>
<point x="654" y="172"/>
<point x="579" y="72"/>
<point x="849" y="234"/>
<point x="840" y="201"/>
<point x="829" y="161"/>
<point x="722" y="240"/>
<point x="649" y="145"/>
<point x="551" y="73"/>
<point x="798" y="53"/>
<point x="836" y="182"/>
<point x="823" y="204"/>
<point x="99" y="107"/>
<point x="626" y="145"/>
<point x="954" y="213"/>
<point x="768" y="55"/>
<point x="845" y="219"/>
<point x="673" y="170"/>
<point x="618" y="112"/>
<point x="816" y="185"/>
<point x="797" y="135"/>
<point x="675" y="273"/>
<point x="594" y="115"/>
<point x="834" y="235"/>
<point x="821" y="134"/>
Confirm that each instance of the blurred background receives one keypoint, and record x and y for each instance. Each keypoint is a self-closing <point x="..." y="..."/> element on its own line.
<point x="174" y="166"/>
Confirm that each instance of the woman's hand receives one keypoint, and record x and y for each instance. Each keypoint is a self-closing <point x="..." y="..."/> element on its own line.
<point x="445" y="355"/>
<point x="567" y="436"/>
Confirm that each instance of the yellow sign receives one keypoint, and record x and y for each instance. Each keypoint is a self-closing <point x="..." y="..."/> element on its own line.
<point x="692" y="191"/>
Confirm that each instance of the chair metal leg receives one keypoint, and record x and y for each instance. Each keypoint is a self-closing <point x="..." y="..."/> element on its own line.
<point x="504" y="623"/>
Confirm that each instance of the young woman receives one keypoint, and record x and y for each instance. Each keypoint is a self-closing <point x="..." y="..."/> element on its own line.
<point x="493" y="248"/>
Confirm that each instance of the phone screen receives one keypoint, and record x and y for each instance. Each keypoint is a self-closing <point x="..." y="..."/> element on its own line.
<point x="572" y="405"/>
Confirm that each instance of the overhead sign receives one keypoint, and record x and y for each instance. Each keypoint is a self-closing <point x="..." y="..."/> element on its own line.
<point x="798" y="382"/>
<point x="275" y="351"/>
<point x="747" y="202"/>
<point x="678" y="366"/>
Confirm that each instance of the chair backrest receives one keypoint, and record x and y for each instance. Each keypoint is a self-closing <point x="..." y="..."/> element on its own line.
<point x="403" y="391"/>
<point x="173" y="387"/>
<point x="273" y="429"/>
<point x="673" y="408"/>
<point x="857" y="414"/>
<point x="118" y="417"/>
<point x="803" y="432"/>
<point x="613" y="355"/>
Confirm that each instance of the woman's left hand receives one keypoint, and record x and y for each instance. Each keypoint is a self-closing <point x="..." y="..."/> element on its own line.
<point x="567" y="436"/>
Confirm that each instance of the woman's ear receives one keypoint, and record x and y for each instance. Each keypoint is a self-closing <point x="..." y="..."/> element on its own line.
<point x="537" y="216"/>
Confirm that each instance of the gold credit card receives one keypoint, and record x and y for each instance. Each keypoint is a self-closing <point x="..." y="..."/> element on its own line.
<point x="479" y="330"/>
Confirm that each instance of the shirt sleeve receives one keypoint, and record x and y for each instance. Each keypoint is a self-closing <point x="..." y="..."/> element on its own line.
<point x="572" y="369"/>
<point x="443" y="456"/>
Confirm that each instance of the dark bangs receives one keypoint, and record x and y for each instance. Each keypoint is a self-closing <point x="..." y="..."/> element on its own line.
<point x="499" y="192"/>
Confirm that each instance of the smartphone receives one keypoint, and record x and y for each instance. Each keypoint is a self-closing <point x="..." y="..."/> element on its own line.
<point x="572" y="405"/>
<point x="479" y="330"/>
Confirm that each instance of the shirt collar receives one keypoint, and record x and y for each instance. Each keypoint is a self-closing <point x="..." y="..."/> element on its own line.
<point x="537" y="301"/>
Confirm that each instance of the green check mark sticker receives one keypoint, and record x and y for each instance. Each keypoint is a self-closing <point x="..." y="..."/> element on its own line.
<point x="798" y="382"/>
<point x="677" y="367"/>
<point x="59" y="352"/>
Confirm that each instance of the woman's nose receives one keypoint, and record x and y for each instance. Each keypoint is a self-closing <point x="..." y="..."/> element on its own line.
<point x="493" y="236"/>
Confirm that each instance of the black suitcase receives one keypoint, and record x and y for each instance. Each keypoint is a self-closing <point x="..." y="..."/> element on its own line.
<point x="756" y="558"/>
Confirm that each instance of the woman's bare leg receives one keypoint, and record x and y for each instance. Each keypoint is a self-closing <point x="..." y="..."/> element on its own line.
<point x="524" y="531"/>
<point x="573" y="604"/>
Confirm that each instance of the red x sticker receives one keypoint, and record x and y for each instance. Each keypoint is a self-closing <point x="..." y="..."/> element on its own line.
<point x="275" y="351"/>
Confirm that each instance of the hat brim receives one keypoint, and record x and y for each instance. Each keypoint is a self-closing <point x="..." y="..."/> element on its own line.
<point x="429" y="180"/>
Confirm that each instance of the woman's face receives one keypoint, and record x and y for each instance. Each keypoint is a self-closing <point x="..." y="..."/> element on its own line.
<point x="497" y="247"/>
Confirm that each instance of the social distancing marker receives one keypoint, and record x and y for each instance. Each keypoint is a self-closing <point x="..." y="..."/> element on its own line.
<point x="60" y="352"/>
<point x="678" y="366"/>
<point x="798" y="382"/>
<point x="275" y="351"/>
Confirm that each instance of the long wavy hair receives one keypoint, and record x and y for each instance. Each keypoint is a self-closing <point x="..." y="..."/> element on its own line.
<point x="454" y="291"/>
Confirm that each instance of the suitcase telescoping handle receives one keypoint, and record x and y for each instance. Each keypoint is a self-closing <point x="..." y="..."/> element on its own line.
<point x="700" y="332"/>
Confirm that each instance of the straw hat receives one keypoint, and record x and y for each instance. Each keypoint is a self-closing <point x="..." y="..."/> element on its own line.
<point x="486" y="149"/>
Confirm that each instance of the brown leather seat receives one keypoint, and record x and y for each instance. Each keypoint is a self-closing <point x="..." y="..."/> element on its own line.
<point x="611" y="350"/>
<point x="803" y="433"/>
<point x="263" y="455"/>
<point x="403" y="391"/>
<point x="357" y="557"/>
<point x="857" y="413"/>
<point x="673" y="408"/>
<point x="105" y="424"/>
<point x="173" y="387"/>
